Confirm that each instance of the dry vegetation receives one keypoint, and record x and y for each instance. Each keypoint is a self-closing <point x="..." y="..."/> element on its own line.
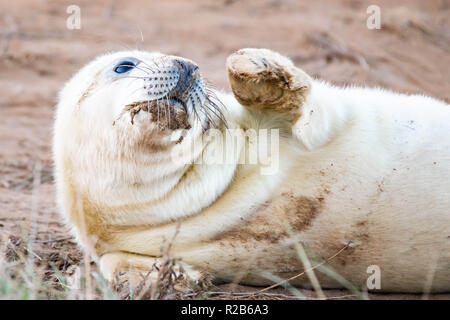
<point x="56" y="269"/>
<point x="329" y="39"/>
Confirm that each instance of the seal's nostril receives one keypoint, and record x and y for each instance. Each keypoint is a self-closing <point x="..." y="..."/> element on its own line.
<point x="188" y="67"/>
<point x="188" y="71"/>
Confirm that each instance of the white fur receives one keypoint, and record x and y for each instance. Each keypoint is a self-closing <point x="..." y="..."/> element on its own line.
<point x="383" y="159"/>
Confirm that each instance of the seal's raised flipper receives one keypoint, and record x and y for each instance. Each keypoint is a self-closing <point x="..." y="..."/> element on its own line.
<point x="263" y="79"/>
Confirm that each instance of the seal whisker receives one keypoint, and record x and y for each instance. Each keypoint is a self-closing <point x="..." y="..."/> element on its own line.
<point x="212" y="103"/>
<point x="158" y="120"/>
<point x="146" y="70"/>
<point x="147" y="65"/>
<point x="216" y="112"/>
<point x="132" y="77"/>
<point x="209" y="84"/>
<point x="195" y="112"/>
<point x="167" y="104"/>
<point x="204" y="110"/>
<point x="142" y="69"/>
<point x="135" y="67"/>
<point x="166" y="119"/>
<point x="156" y="64"/>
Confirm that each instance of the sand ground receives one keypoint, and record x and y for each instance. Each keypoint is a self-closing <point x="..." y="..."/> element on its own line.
<point x="328" y="39"/>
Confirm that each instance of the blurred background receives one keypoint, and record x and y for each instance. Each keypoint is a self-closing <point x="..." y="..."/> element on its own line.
<point x="328" y="39"/>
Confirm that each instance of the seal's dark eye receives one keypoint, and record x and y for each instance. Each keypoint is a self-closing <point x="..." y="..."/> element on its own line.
<point x="124" y="66"/>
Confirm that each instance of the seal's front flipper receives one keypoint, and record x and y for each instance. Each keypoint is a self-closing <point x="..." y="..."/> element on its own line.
<point x="265" y="80"/>
<point x="144" y="276"/>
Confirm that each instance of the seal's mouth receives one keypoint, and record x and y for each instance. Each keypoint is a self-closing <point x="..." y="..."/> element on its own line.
<point x="167" y="113"/>
<point x="172" y="113"/>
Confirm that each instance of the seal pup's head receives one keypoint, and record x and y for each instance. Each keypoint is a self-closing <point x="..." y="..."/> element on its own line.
<point x="119" y="121"/>
<point x="138" y="101"/>
<point x="141" y="92"/>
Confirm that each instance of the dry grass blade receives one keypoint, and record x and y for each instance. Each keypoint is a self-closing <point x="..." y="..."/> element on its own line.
<point x="309" y="270"/>
<point x="45" y="175"/>
<point x="166" y="279"/>
<point x="344" y="282"/>
<point x="301" y="273"/>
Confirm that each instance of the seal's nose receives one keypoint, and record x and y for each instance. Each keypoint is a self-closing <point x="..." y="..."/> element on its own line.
<point x="187" y="67"/>
<point x="188" y="72"/>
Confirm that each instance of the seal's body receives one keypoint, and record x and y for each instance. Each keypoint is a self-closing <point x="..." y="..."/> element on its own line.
<point x="359" y="178"/>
